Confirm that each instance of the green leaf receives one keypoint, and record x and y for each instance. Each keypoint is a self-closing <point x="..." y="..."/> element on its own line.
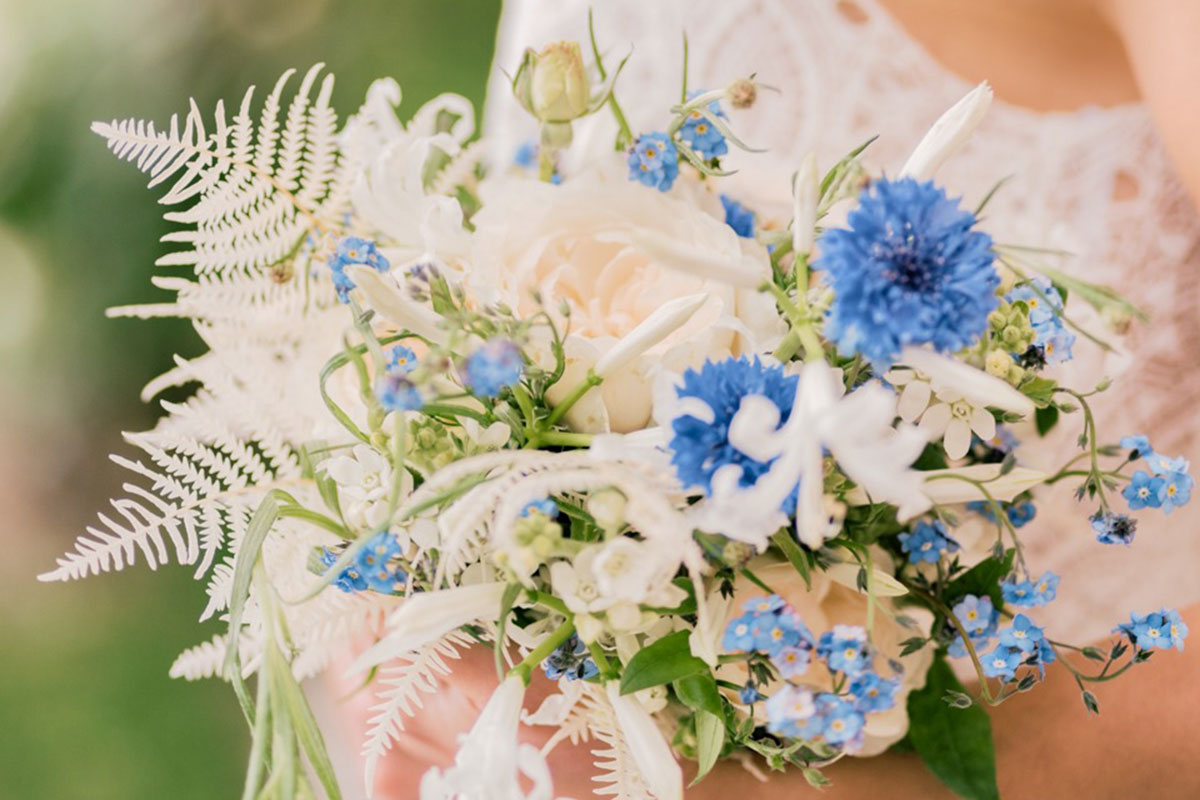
<point x="699" y="693"/>
<point x="982" y="579"/>
<point x="1039" y="390"/>
<point x="955" y="744"/>
<point x="243" y="569"/>
<point x="795" y="556"/>
<point x="710" y="740"/>
<point x="668" y="659"/>
<point x="1046" y="419"/>
<point x="308" y="733"/>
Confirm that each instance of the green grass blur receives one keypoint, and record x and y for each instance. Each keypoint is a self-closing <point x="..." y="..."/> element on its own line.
<point x="86" y="706"/>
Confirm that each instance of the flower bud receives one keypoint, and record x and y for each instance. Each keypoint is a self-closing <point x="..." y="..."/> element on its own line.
<point x="948" y="134"/>
<point x="607" y="507"/>
<point x="998" y="363"/>
<point x="553" y="84"/>
<point x="742" y="93"/>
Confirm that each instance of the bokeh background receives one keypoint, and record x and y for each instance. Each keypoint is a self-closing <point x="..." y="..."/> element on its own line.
<point x="86" y="707"/>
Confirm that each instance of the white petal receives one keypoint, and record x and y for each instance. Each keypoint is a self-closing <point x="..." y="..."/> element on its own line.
<point x="846" y="574"/>
<point x="976" y="386"/>
<point x="958" y="438"/>
<point x="913" y="400"/>
<point x="949" y="133"/>
<point x="664" y="321"/>
<point x="645" y="741"/>
<point x="805" y="192"/>
<point x="934" y="421"/>
<point x="390" y="302"/>
<point x="983" y="423"/>
<point x="674" y="254"/>
<point x="753" y="429"/>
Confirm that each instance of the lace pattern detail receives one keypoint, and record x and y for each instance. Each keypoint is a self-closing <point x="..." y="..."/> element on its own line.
<point x="1095" y="182"/>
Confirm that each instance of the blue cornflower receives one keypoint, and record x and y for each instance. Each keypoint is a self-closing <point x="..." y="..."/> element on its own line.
<point x="845" y="649"/>
<point x="1112" y="528"/>
<point x="353" y="250"/>
<point x="1029" y="593"/>
<point x="749" y="694"/>
<point x="1143" y="491"/>
<point x="526" y="155"/>
<point x="738" y="217"/>
<point x="790" y="710"/>
<point x="570" y="660"/>
<point x="398" y="393"/>
<point x="493" y="367"/>
<point x="1002" y="662"/>
<point x="927" y="542"/>
<point x="654" y="161"/>
<point x="1175" y="491"/>
<point x="401" y="360"/>
<point x="1138" y="445"/>
<point x="699" y="447"/>
<point x="871" y="693"/>
<point x="908" y="270"/>
<point x="545" y="506"/>
<point x="701" y="135"/>
<point x="975" y="613"/>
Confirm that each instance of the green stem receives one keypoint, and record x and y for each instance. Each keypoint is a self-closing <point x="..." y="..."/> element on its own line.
<point x="559" y="439"/>
<point x="539" y="653"/>
<point x="584" y="386"/>
<point x="602" y="663"/>
<point x="943" y="609"/>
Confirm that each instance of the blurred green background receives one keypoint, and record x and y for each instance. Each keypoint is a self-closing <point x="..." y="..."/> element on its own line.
<point x="86" y="707"/>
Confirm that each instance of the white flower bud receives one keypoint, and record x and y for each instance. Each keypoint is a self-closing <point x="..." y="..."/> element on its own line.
<point x="645" y="741"/>
<point x="948" y="134"/>
<point x="665" y="320"/>
<point x="553" y="84"/>
<point x="805" y="192"/>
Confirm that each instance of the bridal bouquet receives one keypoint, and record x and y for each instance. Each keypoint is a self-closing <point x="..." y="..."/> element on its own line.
<point x="744" y="484"/>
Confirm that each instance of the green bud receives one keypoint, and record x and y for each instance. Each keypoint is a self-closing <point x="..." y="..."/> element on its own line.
<point x="1016" y="374"/>
<point x="998" y="363"/>
<point x="553" y="84"/>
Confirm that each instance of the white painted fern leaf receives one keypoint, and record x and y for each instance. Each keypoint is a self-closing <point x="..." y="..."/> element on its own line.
<point x="402" y="686"/>
<point x="255" y="191"/>
<point x="617" y="773"/>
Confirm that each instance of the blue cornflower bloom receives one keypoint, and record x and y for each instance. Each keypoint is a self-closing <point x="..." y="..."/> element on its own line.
<point x="871" y="693"/>
<point x="1022" y="634"/>
<point x="398" y="393"/>
<point x="1143" y="491"/>
<point x="1139" y="445"/>
<point x="908" y="270"/>
<point x="699" y="447"/>
<point x="975" y="613"/>
<point x="927" y="542"/>
<point x="790" y="710"/>
<point x="654" y="161"/>
<point x="749" y="694"/>
<point x="1175" y="491"/>
<point x="493" y="367"/>
<point x="845" y="649"/>
<point x="401" y="360"/>
<point x="371" y="568"/>
<point x="1002" y="662"/>
<point x="545" y="506"/>
<point x="792" y="661"/>
<point x="701" y="135"/>
<point x="1112" y="528"/>
<point x="353" y="250"/>
<point x="570" y="660"/>
<point x="738" y="217"/>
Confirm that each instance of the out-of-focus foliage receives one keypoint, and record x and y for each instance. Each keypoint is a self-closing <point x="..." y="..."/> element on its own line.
<point x="84" y="693"/>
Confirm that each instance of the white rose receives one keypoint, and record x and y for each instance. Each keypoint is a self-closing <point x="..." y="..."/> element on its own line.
<point x="584" y="243"/>
<point x="831" y="602"/>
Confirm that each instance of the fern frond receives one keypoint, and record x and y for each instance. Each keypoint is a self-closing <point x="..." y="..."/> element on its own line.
<point x="401" y="695"/>
<point x="254" y="192"/>
<point x="618" y="775"/>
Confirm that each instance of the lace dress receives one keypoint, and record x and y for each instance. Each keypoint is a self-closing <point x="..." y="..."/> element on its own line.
<point x="1095" y="182"/>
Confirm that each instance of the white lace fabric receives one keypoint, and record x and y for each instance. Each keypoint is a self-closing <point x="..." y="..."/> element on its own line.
<point x="1095" y="182"/>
